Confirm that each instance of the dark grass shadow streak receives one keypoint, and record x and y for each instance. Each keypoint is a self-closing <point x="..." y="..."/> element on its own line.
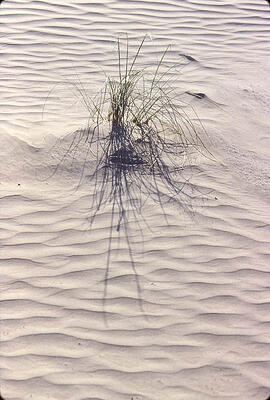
<point x="129" y="171"/>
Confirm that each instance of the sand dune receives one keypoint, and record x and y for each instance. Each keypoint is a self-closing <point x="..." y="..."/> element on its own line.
<point x="182" y="309"/>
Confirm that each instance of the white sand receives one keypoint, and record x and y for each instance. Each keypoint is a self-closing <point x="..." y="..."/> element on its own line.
<point x="199" y="328"/>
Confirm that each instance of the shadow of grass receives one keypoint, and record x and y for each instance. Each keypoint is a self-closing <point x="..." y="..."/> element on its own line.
<point x="126" y="174"/>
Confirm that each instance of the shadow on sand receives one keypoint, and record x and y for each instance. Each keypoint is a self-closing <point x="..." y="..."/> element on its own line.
<point x="126" y="173"/>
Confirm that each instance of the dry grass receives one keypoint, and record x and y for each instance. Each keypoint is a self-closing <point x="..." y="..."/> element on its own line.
<point x="140" y="138"/>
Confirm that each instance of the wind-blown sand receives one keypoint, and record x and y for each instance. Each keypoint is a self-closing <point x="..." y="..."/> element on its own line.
<point x="199" y="326"/>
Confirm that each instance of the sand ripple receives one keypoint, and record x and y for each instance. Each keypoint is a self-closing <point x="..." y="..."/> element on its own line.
<point x="198" y="327"/>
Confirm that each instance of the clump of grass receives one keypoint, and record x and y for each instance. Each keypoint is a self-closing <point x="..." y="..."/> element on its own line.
<point x="148" y="131"/>
<point x="146" y="120"/>
<point x="140" y="136"/>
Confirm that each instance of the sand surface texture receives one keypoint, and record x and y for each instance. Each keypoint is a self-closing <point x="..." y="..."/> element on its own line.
<point x="182" y="309"/>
